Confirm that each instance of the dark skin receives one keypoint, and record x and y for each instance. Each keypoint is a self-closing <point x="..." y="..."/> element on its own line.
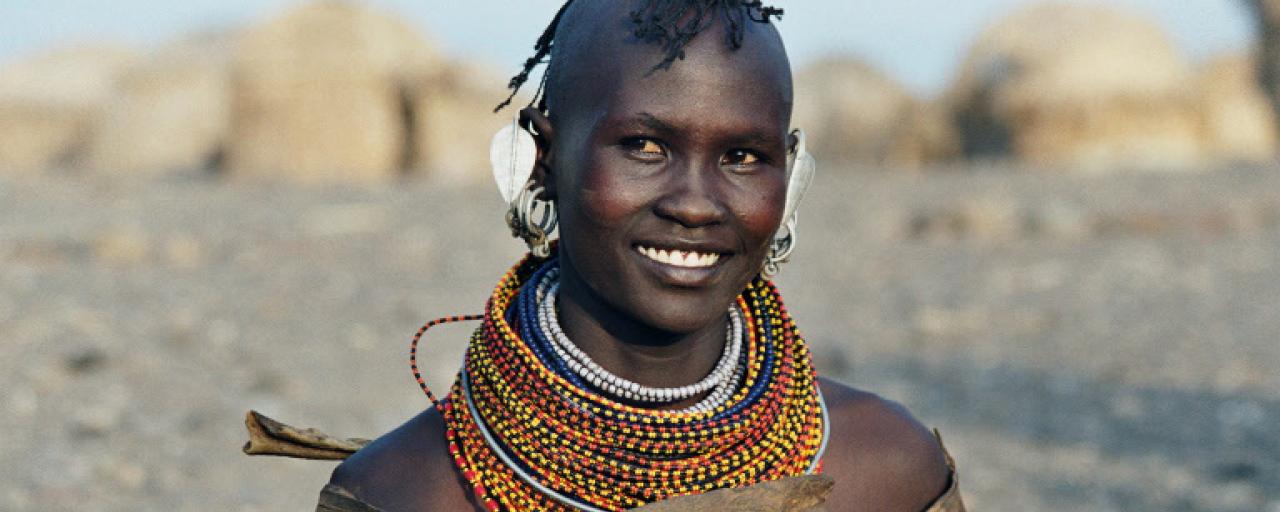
<point x="881" y="458"/>
<point x="693" y="159"/>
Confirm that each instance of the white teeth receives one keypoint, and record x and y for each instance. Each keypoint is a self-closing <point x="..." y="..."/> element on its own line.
<point x="678" y="258"/>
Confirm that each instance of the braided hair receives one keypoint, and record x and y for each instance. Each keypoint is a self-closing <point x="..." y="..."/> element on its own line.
<point x="673" y="24"/>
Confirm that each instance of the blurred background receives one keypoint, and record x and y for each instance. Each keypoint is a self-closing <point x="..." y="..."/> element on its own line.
<point x="1049" y="229"/>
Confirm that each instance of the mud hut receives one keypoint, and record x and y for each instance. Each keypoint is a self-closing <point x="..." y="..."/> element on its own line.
<point x="319" y="95"/>
<point x="1238" y="121"/>
<point x="49" y="103"/>
<point x="171" y="112"/>
<point x="925" y="138"/>
<point x="854" y="113"/>
<point x="1077" y="86"/>
<point x="453" y="121"/>
<point x="1266" y="15"/>
<point x="849" y="109"/>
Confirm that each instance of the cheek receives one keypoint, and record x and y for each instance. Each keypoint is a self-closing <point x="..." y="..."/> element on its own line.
<point x="607" y="199"/>
<point x="760" y="211"/>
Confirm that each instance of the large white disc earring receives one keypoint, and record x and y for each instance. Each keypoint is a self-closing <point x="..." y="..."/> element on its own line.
<point x="513" y="153"/>
<point x="800" y="171"/>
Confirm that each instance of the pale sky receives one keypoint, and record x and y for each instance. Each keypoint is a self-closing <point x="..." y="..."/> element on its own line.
<point x="918" y="42"/>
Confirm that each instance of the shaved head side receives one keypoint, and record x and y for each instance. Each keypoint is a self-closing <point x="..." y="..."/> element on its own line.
<point x="588" y="29"/>
<point x="585" y="33"/>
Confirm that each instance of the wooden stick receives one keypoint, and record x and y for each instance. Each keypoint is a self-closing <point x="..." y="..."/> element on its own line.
<point x="796" y="494"/>
<point x="270" y="437"/>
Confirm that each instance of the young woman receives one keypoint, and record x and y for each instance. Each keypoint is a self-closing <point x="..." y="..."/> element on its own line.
<point x="645" y="355"/>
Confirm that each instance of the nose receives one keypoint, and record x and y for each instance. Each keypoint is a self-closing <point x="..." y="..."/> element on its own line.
<point x="692" y="197"/>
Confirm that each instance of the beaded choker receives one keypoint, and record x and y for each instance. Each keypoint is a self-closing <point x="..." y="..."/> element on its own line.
<point x="720" y="382"/>
<point x="527" y="432"/>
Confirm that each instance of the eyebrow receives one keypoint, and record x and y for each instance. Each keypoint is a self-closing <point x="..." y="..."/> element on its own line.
<point x="755" y="139"/>
<point x="653" y="123"/>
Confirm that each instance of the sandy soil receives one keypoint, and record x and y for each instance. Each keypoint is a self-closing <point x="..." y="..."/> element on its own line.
<point x="1084" y="343"/>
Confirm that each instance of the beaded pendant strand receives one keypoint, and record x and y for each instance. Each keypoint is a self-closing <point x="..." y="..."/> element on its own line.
<point x="527" y="434"/>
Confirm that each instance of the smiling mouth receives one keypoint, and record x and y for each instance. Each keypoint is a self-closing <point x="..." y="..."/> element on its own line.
<point x="678" y="258"/>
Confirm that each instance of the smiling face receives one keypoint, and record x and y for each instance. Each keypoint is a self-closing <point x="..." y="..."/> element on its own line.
<point x="669" y="184"/>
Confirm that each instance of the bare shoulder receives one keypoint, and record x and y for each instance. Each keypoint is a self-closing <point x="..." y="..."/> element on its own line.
<point x="408" y="468"/>
<point x="880" y="456"/>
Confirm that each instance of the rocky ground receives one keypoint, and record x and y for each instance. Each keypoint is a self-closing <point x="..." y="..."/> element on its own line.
<point x="1084" y="343"/>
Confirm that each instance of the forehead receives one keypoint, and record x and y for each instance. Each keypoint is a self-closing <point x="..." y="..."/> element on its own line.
<point x="601" y="68"/>
<point x="712" y="95"/>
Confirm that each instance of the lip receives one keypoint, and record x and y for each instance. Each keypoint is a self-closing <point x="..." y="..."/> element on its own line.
<point x="681" y="276"/>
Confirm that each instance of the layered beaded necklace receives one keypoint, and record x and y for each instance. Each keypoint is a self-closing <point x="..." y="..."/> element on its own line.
<point x="721" y="378"/>
<point x="533" y="423"/>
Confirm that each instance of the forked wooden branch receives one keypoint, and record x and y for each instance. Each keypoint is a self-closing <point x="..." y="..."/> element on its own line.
<point x="270" y="437"/>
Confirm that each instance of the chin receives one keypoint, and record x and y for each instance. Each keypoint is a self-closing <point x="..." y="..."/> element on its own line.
<point x="681" y="310"/>
<point x="660" y="296"/>
<point x="680" y="300"/>
<point x="682" y="314"/>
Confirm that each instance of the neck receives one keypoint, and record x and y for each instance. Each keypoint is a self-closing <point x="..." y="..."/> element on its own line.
<point x="633" y="350"/>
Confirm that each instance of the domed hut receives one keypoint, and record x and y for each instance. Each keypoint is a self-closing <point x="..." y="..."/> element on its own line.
<point x="854" y="113"/>
<point x="171" y="111"/>
<point x="454" y="121"/>
<point x="1077" y="86"/>
<point x="849" y="109"/>
<point x="1238" y="121"/>
<point x="49" y="104"/>
<point x="319" y="94"/>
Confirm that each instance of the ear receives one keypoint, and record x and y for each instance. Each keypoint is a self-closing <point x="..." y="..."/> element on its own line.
<point x="537" y="124"/>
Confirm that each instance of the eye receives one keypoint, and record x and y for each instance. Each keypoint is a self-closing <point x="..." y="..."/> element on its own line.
<point x="738" y="157"/>
<point x="644" y="148"/>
